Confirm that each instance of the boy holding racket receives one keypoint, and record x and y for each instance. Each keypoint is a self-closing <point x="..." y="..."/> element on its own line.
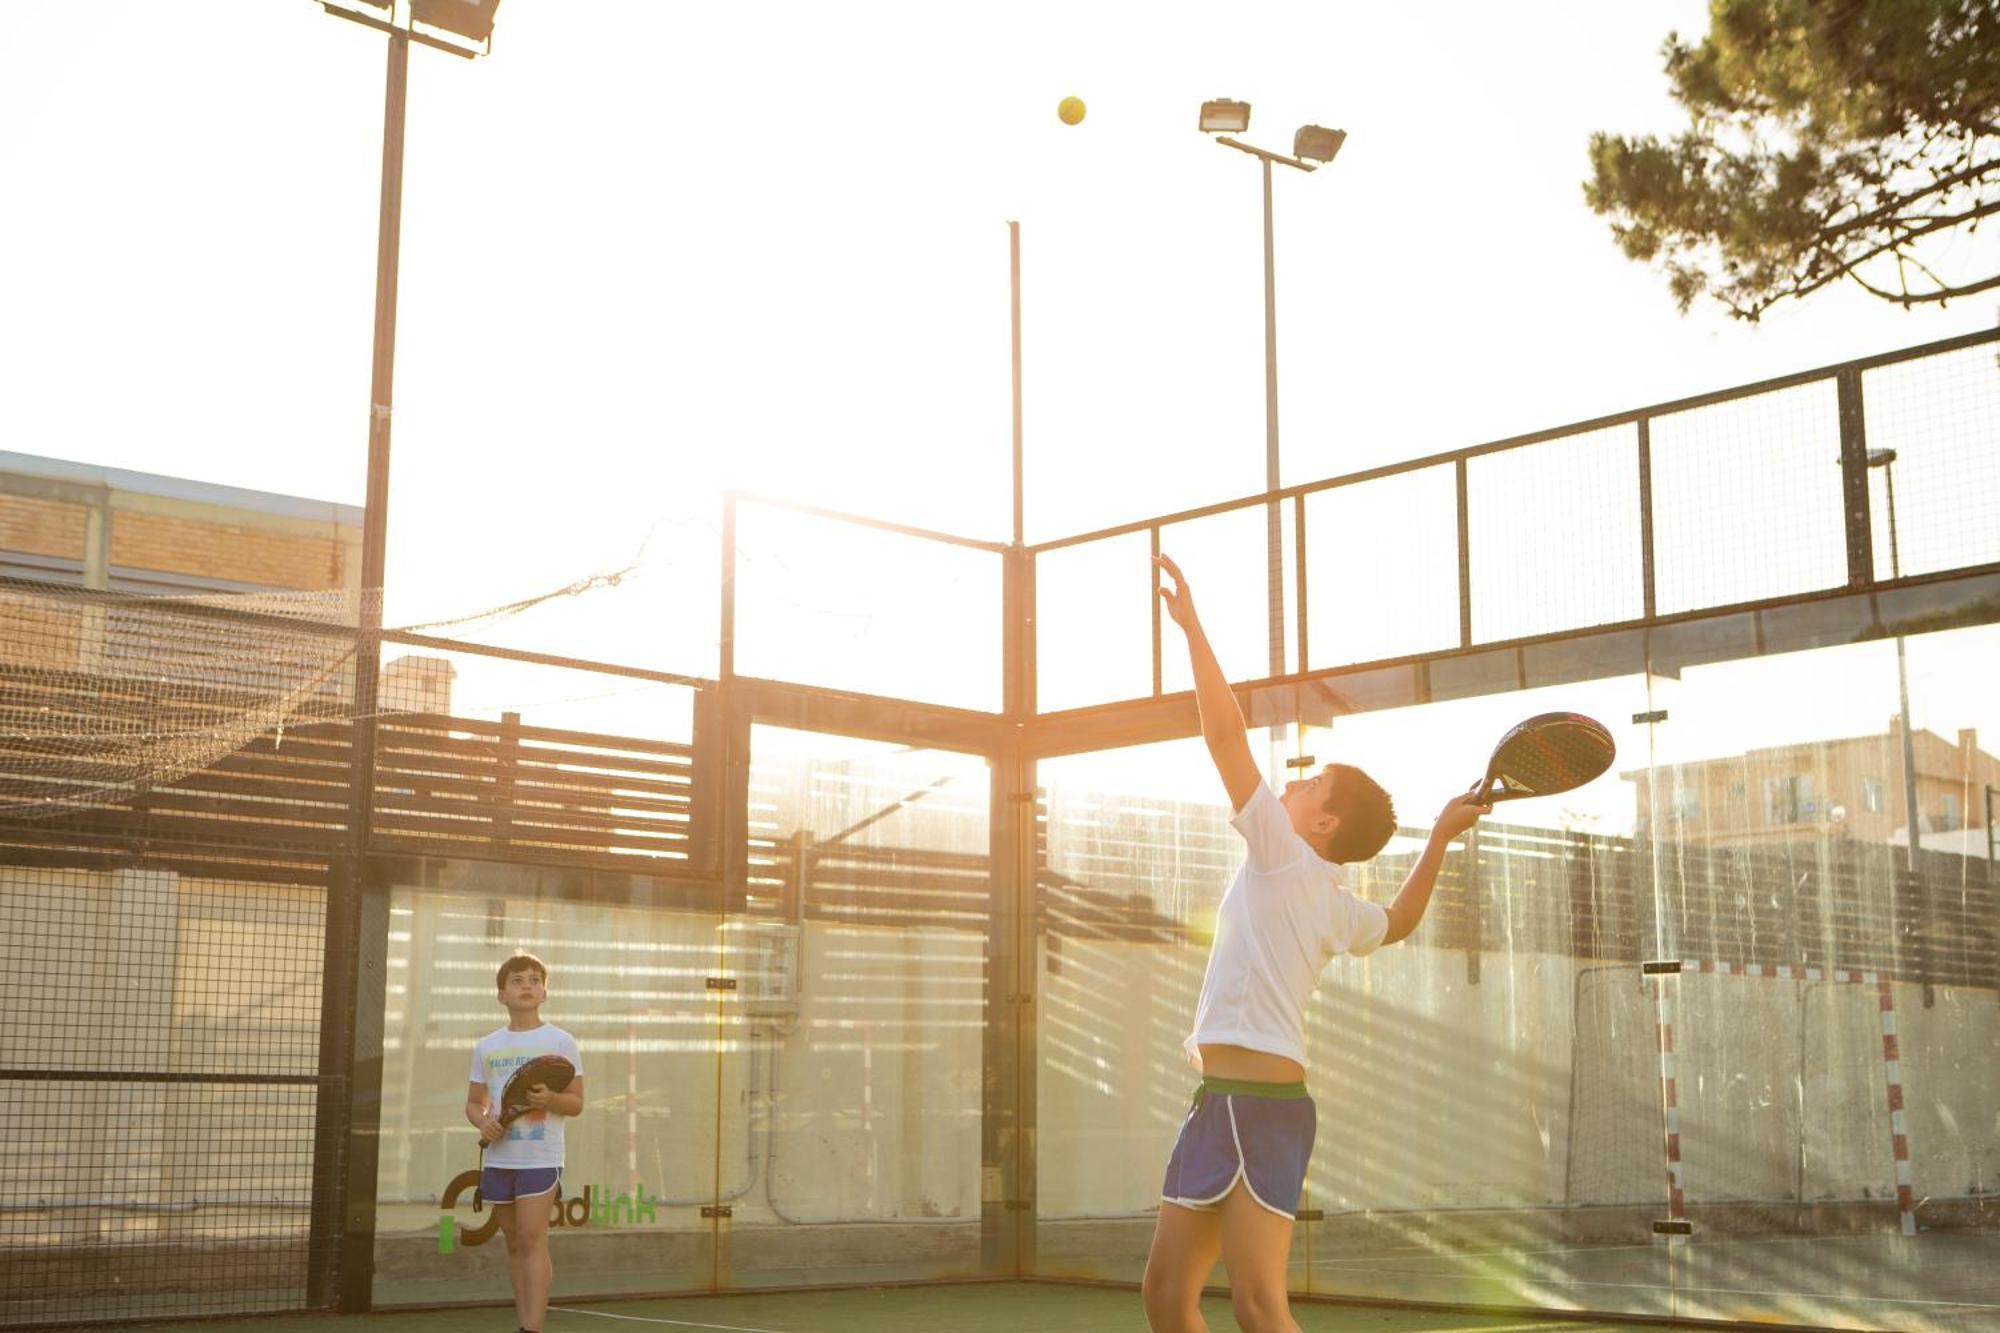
<point x="1233" y="1181"/>
<point x="522" y="1167"/>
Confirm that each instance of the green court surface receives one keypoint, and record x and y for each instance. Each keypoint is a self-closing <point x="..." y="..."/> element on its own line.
<point x="975" y="1308"/>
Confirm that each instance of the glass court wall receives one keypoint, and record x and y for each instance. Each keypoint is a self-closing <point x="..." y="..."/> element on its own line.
<point x="1707" y="1039"/>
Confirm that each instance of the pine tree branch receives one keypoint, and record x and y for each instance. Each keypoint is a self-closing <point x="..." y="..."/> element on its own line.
<point x="1898" y="203"/>
<point x="1912" y="233"/>
<point x="1927" y="298"/>
<point x="1803" y="283"/>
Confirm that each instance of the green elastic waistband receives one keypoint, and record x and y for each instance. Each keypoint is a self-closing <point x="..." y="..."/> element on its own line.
<point x="1243" y="1087"/>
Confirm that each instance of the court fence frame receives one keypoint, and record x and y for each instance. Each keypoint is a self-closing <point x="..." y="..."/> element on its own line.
<point x="333" y="802"/>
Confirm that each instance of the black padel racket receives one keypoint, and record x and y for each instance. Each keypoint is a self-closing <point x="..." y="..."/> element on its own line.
<point x="548" y="1071"/>
<point x="1549" y="753"/>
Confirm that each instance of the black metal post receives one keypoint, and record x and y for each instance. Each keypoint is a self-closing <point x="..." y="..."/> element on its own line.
<point x="1464" y="557"/>
<point x="1646" y="566"/>
<point x="1854" y="479"/>
<point x="349" y="917"/>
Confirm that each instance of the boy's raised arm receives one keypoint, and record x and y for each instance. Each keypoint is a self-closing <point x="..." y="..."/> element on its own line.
<point x="1222" y="725"/>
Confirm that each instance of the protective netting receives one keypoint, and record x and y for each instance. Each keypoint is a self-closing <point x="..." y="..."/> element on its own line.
<point x="103" y="697"/>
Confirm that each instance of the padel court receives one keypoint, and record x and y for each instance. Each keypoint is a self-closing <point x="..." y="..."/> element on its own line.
<point x="879" y="939"/>
<point x="1014" y="1307"/>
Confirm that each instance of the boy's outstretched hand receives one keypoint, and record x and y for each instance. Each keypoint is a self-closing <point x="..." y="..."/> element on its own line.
<point x="1460" y="814"/>
<point x="1179" y="599"/>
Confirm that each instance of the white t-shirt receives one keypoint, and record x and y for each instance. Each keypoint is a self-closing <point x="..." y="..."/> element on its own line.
<point x="536" y="1139"/>
<point x="1284" y="917"/>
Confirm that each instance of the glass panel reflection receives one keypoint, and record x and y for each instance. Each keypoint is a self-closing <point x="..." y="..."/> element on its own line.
<point x="1138" y="852"/>
<point x="854" y="1044"/>
<point x="1833" y="1019"/>
<point x="1493" y="1078"/>
<point x="628" y="960"/>
<point x="1513" y="1111"/>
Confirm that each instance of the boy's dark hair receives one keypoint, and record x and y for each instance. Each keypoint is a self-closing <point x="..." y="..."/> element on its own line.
<point x="520" y="962"/>
<point x="1367" y="815"/>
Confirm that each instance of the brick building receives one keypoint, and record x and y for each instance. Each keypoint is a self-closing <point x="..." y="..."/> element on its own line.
<point x="79" y="525"/>
<point x="63" y="522"/>
<point x="1851" y="787"/>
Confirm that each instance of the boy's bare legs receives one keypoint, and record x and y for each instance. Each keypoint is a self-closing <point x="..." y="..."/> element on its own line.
<point x="526" y="1227"/>
<point x="1256" y="1246"/>
<point x="1186" y="1243"/>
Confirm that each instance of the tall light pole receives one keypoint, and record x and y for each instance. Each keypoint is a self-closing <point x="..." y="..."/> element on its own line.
<point x="1886" y="460"/>
<point x="344" y="1173"/>
<point x="1311" y="146"/>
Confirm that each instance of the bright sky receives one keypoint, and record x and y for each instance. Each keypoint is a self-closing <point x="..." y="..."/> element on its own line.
<point x="655" y="250"/>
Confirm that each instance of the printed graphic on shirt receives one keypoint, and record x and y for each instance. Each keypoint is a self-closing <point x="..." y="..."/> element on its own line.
<point x="533" y="1125"/>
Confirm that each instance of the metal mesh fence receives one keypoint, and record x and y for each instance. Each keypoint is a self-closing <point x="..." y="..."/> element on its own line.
<point x="1937" y="414"/>
<point x="159" y="1078"/>
<point x="1531" y="511"/>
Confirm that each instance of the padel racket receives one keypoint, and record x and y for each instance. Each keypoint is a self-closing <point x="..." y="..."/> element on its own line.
<point x="549" y="1071"/>
<point x="1549" y="753"/>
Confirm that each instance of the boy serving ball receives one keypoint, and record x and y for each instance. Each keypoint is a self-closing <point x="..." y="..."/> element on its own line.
<point x="522" y="1170"/>
<point x="1233" y="1182"/>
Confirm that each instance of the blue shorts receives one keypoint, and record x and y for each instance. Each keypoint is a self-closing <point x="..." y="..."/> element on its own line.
<point x="504" y="1184"/>
<point x="1258" y="1133"/>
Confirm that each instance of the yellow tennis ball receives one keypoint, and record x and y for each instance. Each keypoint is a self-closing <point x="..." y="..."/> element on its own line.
<point x="1070" y="110"/>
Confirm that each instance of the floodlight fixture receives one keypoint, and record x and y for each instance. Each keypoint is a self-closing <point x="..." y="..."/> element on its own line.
<point x="467" y="18"/>
<point x="1316" y="143"/>
<point x="424" y="21"/>
<point x="1881" y="457"/>
<point x="1224" y="116"/>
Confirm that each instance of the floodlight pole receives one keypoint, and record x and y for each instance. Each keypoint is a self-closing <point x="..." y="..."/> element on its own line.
<point x="1273" y="524"/>
<point x="343" y="1220"/>
<point x="1274" y="540"/>
<point x="382" y="376"/>
<point x="1886" y="460"/>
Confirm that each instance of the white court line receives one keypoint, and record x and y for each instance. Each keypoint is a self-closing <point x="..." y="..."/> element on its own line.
<point x="1539" y="1326"/>
<point x="648" y="1319"/>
